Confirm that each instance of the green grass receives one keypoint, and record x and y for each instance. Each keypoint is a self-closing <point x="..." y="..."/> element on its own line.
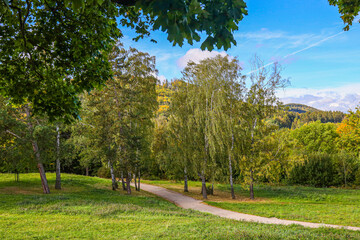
<point x="319" y="205"/>
<point x="86" y="208"/>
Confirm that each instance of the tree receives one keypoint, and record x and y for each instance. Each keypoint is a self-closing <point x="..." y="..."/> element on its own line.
<point x="164" y="93"/>
<point x="58" y="163"/>
<point x="276" y="150"/>
<point x="349" y="9"/>
<point x="317" y="137"/>
<point x="16" y="155"/>
<point x="158" y="165"/>
<point x="259" y="104"/>
<point x="120" y="114"/>
<point x="50" y="53"/>
<point x="348" y="143"/>
<point x="36" y="132"/>
<point x="349" y="132"/>
<point x="213" y="90"/>
<point x="180" y="143"/>
<point x="134" y="95"/>
<point x="197" y="113"/>
<point x="100" y="115"/>
<point x="225" y="101"/>
<point x="53" y="50"/>
<point x="83" y="142"/>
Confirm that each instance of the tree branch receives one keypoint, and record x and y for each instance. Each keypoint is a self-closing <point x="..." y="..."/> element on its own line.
<point x="84" y="124"/>
<point x="127" y="3"/>
<point x="14" y="134"/>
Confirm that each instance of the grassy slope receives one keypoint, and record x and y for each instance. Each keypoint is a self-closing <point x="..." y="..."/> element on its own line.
<point x="86" y="208"/>
<point x="321" y="205"/>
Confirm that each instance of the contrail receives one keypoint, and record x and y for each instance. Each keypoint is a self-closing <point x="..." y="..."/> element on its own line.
<point x="299" y="51"/>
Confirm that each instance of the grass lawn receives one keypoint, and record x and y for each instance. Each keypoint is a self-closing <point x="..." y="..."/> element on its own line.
<point x="86" y="208"/>
<point x="319" y="205"/>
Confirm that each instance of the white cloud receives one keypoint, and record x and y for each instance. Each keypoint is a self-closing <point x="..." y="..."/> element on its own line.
<point x="263" y="34"/>
<point x="196" y="55"/>
<point x="161" y="78"/>
<point x="164" y="57"/>
<point x="343" y="98"/>
<point x="356" y="19"/>
<point x="280" y="39"/>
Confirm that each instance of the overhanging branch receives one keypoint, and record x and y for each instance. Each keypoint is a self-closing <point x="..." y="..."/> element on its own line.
<point x="127" y="3"/>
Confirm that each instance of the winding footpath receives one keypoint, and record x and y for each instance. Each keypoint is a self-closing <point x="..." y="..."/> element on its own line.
<point x="191" y="203"/>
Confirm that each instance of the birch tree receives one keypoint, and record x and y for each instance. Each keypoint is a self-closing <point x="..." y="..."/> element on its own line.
<point x="180" y="145"/>
<point x="214" y="90"/>
<point x="260" y="103"/>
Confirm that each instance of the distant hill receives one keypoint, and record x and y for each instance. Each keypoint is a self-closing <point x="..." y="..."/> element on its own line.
<point x="300" y="108"/>
<point x="295" y="115"/>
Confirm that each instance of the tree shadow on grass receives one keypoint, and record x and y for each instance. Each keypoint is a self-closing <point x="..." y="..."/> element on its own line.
<point x="82" y="195"/>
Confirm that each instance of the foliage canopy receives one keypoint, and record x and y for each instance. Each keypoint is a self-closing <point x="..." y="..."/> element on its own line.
<point x="349" y="9"/>
<point x="53" y="50"/>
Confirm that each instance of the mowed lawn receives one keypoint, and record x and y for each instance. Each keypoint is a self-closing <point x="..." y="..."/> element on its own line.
<point x="86" y="208"/>
<point x="319" y="205"/>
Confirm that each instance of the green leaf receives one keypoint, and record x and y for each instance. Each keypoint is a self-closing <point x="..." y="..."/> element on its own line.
<point x="6" y="3"/>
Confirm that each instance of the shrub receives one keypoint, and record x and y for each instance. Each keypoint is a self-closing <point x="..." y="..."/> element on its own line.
<point x="357" y="177"/>
<point x="346" y="166"/>
<point x="317" y="170"/>
<point x="104" y="172"/>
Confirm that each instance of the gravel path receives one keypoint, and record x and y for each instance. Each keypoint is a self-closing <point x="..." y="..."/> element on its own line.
<point x="191" y="203"/>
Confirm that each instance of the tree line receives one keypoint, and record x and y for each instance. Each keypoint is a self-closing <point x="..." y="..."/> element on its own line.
<point x="213" y="124"/>
<point x="113" y="129"/>
<point x="293" y="119"/>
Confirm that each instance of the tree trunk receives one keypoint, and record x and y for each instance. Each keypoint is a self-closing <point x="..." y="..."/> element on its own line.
<point x="251" y="170"/>
<point x="87" y="171"/>
<point x="35" y="146"/>
<point x="139" y="181"/>
<point x="16" y="175"/>
<point x="136" y="188"/>
<point x="44" y="182"/>
<point x="251" y="185"/>
<point x="58" y="174"/>
<point x="230" y="167"/>
<point x="41" y="168"/>
<point x="231" y="179"/>
<point x="123" y="181"/>
<point x="203" y="186"/>
<point x="186" y="189"/>
<point x="114" y="183"/>
<point x="344" y="171"/>
<point x="128" y="180"/>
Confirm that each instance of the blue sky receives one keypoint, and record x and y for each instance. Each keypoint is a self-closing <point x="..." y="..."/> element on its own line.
<point x="326" y="74"/>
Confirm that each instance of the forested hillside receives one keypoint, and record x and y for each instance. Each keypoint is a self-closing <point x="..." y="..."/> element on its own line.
<point x="296" y="115"/>
<point x="299" y="108"/>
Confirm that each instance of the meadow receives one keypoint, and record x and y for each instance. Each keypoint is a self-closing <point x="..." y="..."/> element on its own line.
<point x="87" y="208"/>
<point x="319" y="205"/>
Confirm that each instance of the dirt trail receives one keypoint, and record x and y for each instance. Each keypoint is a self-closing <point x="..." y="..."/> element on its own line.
<point x="191" y="203"/>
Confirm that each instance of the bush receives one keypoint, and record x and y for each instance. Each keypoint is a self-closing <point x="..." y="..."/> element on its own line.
<point x="317" y="170"/>
<point x="346" y="166"/>
<point x="357" y="177"/>
<point x="104" y="172"/>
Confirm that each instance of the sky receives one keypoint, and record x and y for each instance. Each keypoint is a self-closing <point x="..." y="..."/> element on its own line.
<point x="305" y="36"/>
